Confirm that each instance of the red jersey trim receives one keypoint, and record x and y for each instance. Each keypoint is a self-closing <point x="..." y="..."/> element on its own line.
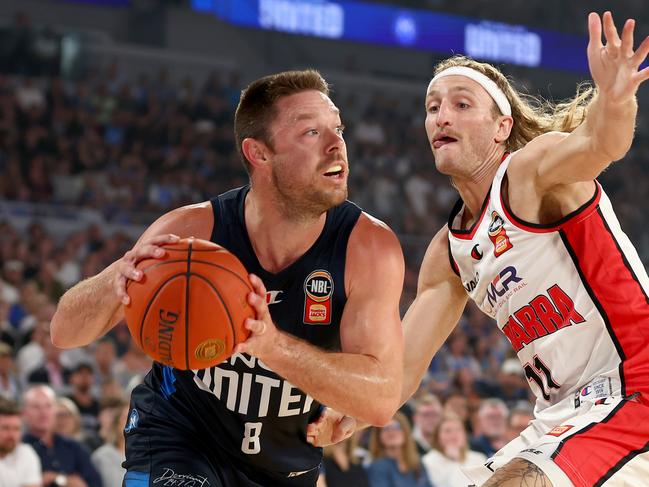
<point x="470" y="233"/>
<point x="583" y="211"/>
<point x="615" y="290"/>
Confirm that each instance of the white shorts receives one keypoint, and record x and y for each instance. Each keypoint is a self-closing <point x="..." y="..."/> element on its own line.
<point x="606" y="443"/>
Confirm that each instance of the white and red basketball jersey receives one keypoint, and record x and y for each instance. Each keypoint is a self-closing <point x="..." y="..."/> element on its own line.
<point x="571" y="297"/>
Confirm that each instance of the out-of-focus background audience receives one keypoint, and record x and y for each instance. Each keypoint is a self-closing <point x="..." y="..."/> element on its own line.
<point x="91" y="155"/>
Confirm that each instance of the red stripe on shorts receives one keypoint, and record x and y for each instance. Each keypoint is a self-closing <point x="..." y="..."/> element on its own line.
<point x="595" y="453"/>
<point x="591" y="456"/>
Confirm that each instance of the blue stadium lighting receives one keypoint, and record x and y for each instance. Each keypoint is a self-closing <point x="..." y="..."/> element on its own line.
<point x="422" y="30"/>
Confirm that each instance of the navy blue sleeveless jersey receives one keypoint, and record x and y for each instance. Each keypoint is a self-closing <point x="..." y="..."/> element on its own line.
<point x="252" y="417"/>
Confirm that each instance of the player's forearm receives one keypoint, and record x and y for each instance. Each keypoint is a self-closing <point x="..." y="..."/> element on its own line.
<point x="610" y="126"/>
<point x="86" y="311"/>
<point x="354" y="384"/>
<point x="431" y="318"/>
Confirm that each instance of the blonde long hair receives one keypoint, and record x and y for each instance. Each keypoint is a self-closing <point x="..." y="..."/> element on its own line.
<point x="408" y="450"/>
<point x="532" y="115"/>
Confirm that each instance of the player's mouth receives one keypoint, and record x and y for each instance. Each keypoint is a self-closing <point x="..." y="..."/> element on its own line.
<point x="335" y="171"/>
<point x="442" y="140"/>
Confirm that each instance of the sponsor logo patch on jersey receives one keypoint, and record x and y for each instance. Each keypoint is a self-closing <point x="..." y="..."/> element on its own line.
<point x="559" y="430"/>
<point x="498" y="235"/>
<point x="273" y="297"/>
<point x="476" y="253"/>
<point x="133" y="420"/>
<point x="318" y="290"/>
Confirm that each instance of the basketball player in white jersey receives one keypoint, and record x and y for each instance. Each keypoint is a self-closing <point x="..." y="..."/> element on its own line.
<point x="534" y="242"/>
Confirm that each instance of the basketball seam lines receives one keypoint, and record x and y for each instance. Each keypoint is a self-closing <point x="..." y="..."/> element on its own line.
<point x="187" y="295"/>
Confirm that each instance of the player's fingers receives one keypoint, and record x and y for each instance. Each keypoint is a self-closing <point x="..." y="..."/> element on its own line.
<point x="162" y="239"/>
<point x="344" y="430"/>
<point x="627" y="37"/>
<point x="129" y="271"/>
<point x="257" y="285"/>
<point x="594" y="31"/>
<point x="641" y="53"/>
<point x="256" y="327"/>
<point x="258" y="305"/>
<point x="120" y="290"/>
<point x="610" y="32"/>
<point x="147" y="251"/>
<point x="643" y="75"/>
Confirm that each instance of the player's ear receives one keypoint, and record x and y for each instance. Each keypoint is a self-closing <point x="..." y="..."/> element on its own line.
<point x="256" y="152"/>
<point x="505" y="124"/>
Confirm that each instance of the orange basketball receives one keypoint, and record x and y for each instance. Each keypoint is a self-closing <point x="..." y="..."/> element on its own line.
<point x="188" y="309"/>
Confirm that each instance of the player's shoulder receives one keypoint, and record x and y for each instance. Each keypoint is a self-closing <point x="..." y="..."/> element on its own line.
<point x="372" y="234"/>
<point x="536" y="149"/>
<point x="195" y="220"/>
<point x="373" y="244"/>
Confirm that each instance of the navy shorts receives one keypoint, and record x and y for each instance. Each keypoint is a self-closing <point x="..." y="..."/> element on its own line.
<point x="161" y="452"/>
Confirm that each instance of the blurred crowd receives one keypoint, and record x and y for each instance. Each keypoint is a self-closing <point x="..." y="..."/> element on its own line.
<point x="132" y="149"/>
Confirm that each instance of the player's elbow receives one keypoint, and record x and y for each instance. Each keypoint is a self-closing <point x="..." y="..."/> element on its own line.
<point x="381" y="412"/>
<point x="58" y="335"/>
<point x="383" y="415"/>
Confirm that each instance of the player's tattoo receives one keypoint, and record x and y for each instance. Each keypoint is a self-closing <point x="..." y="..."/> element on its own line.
<point x="518" y="473"/>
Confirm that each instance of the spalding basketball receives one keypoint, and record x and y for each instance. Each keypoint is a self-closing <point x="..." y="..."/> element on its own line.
<point x="189" y="308"/>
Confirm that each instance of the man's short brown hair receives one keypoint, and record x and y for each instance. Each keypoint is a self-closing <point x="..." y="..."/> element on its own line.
<point x="9" y="407"/>
<point x="256" y="109"/>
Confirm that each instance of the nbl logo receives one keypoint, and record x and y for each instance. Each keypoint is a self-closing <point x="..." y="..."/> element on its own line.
<point x="319" y="286"/>
<point x="318" y="289"/>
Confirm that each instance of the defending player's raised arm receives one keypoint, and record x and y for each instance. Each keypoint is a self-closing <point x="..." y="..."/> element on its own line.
<point x="364" y="379"/>
<point x="607" y="132"/>
<point x="433" y="314"/>
<point x="92" y="307"/>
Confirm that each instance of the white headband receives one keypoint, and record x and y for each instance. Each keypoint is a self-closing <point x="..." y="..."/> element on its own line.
<point x="484" y="81"/>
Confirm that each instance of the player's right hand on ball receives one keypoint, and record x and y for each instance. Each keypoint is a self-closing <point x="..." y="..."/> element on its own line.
<point x="151" y="248"/>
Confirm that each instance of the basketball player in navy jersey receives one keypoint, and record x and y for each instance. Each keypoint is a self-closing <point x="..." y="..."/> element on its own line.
<point x="533" y="240"/>
<point x="327" y="279"/>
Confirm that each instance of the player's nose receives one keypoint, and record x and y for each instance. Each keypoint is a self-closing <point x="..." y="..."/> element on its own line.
<point x="444" y="114"/>
<point x="334" y="141"/>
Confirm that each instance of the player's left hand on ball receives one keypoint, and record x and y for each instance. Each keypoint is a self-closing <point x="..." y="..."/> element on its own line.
<point x="262" y="329"/>
<point x="330" y="428"/>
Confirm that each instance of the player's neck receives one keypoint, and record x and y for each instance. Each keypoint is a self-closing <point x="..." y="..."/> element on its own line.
<point x="277" y="239"/>
<point x="474" y="188"/>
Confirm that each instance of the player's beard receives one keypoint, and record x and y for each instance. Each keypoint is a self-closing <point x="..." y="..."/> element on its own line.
<point x="303" y="201"/>
<point x="7" y="448"/>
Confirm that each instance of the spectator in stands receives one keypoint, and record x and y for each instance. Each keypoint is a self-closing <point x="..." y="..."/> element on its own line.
<point x="427" y="414"/>
<point x="31" y="356"/>
<point x="520" y="418"/>
<point x="108" y="458"/>
<point x="82" y="394"/>
<point x="19" y="464"/>
<point x="395" y="462"/>
<point x="490" y="431"/>
<point x="65" y="462"/>
<point x="342" y="465"/>
<point x="451" y="452"/>
<point x="105" y="356"/>
<point x="51" y="372"/>
<point x="9" y="382"/>
<point x="68" y="419"/>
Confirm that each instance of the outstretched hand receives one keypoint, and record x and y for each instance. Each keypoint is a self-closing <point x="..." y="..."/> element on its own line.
<point x="614" y="66"/>
<point x="331" y="427"/>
